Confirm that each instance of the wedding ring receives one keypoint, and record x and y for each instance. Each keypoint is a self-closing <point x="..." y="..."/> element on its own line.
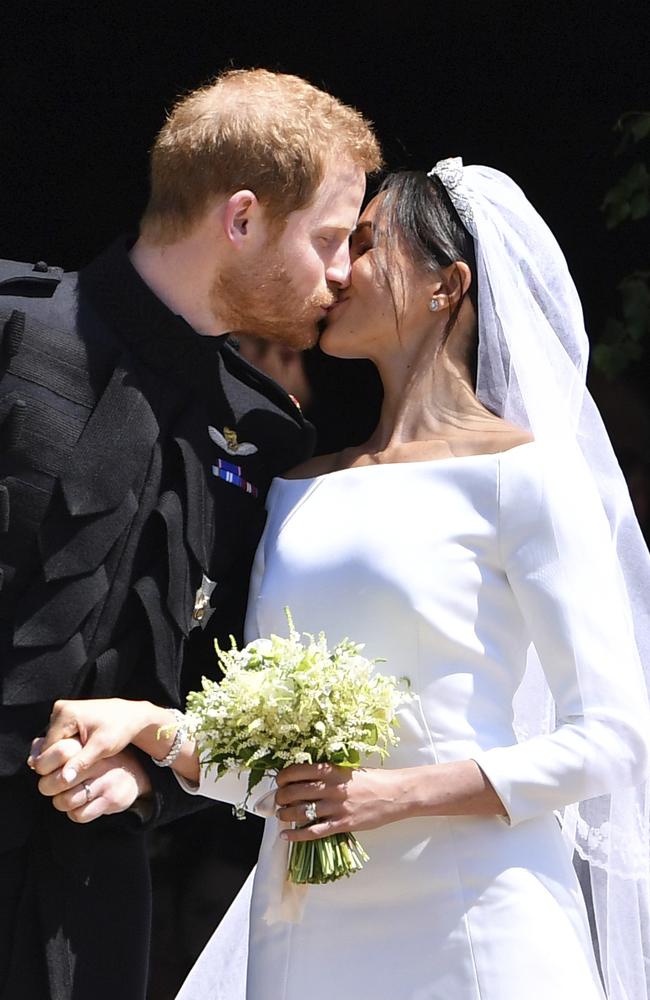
<point x="88" y="792"/>
<point x="310" y="812"/>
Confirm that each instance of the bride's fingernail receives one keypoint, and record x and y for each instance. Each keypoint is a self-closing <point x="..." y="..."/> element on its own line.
<point x="284" y="836"/>
<point x="69" y="774"/>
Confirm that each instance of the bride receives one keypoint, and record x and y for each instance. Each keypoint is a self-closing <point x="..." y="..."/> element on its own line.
<point x="483" y="543"/>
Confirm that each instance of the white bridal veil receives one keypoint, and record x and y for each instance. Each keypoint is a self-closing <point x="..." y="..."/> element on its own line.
<point x="532" y="365"/>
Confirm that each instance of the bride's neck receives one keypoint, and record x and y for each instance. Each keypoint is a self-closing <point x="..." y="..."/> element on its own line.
<point x="428" y="396"/>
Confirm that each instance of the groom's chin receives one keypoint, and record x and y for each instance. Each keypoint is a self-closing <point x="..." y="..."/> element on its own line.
<point x="296" y="338"/>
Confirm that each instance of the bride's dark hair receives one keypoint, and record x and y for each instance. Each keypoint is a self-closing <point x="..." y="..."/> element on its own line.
<point x="416" y="217"/>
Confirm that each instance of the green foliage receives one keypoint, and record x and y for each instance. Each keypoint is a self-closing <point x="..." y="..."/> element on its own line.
<point x="634" y="127"/>
<point x="629" y="198"/>
<point x="625" y="340"/>
<point x="625" y="337"/>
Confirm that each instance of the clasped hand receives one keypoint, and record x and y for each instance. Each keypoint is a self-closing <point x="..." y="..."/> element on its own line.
<point x="108" y="786"/>
<point x="82" y="761"/>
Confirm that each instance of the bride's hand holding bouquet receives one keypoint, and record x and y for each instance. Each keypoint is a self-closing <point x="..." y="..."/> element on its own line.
<point x="285" y="705"/>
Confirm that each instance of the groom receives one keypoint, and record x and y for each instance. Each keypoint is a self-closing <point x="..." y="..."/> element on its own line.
<point x="137" y="449"/>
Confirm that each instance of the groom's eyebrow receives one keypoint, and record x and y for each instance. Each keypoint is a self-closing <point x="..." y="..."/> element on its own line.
<point x="342" y="230"/>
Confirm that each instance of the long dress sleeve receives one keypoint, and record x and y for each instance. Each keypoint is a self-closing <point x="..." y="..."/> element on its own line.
<point x="560" y="562"/>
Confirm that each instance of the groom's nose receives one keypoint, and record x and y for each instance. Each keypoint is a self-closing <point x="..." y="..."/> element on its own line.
<point x="337" y="271"/>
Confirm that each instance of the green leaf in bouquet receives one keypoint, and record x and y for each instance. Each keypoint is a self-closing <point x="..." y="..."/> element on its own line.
<point x="256" y="775"/>
<point x="371" y="734"/>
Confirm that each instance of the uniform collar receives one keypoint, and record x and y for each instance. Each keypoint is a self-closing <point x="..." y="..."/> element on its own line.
<point x="164" y="341"/>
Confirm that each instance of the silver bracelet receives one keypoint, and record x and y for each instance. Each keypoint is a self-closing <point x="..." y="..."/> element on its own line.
<point x="179" y="739"/>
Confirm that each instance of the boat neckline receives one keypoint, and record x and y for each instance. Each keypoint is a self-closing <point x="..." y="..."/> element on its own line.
<point x="396" y="465"/>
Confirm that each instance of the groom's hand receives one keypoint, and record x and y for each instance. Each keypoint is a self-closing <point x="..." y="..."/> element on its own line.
<point x="103" y="727"/>
<point x="109" y="786"/>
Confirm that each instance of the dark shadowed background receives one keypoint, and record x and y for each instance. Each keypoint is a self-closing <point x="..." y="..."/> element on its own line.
<point x="531" y="89"/>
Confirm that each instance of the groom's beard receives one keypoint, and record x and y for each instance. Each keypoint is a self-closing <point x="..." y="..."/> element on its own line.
<point x="262" y="300"/>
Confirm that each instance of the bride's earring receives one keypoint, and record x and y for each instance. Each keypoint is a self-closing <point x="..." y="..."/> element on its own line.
<point x="434" y="305"/>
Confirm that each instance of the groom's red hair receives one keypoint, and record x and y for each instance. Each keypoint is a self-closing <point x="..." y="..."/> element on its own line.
<point x="271" y="133"/>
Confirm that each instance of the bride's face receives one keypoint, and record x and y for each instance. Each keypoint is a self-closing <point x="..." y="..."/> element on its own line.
<point x="369" y="319"/>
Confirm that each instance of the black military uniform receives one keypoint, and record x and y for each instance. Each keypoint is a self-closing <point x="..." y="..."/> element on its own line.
<point x="135" y="458"/>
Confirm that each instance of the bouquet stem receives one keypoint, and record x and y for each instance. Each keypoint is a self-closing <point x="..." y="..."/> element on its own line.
<point x="317" y="861"/>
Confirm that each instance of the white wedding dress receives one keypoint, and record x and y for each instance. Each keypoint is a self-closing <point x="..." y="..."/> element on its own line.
<point x="447" y="569"/>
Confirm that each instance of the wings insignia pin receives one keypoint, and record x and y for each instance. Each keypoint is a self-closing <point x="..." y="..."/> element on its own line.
<point x="229" y="443"/>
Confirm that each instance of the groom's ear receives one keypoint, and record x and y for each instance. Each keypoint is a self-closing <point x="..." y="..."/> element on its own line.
<point x="242" y="218"/>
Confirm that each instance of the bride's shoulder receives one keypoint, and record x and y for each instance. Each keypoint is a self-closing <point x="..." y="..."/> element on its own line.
<point x="318" y="466"/>
<point x="504" y="436"/>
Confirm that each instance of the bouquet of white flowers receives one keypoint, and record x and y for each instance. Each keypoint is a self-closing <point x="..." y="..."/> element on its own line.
<point x="284" y="701"/>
